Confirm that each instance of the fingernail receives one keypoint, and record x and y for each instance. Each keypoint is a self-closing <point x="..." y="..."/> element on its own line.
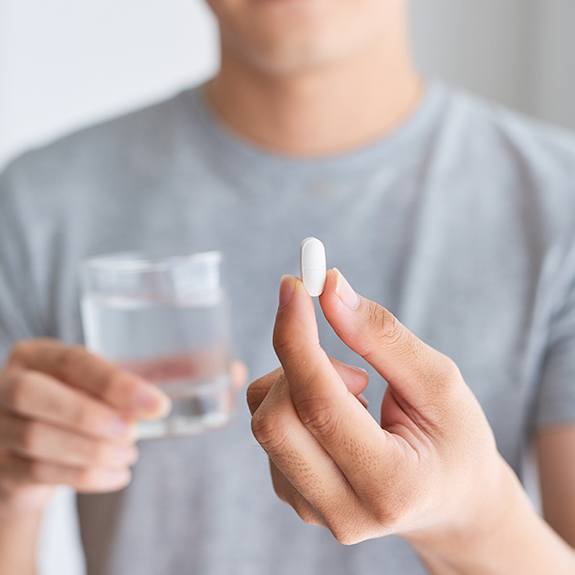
<point x="345" y="292"/>
<point x="362" y="399"/>
<point x="151" y="401"/>
<point x="124" y="455"/>
<point x="117" y="478"/>
<point x="358" y="370"/>
<point x="287" y="287"/>
<point x="119" y="427"/>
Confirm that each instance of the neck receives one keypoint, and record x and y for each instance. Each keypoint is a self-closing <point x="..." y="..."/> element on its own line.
<point x="327" y="110"/>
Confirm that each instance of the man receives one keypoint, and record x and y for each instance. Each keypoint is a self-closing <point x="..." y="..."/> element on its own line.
<point x="458" y="216"/>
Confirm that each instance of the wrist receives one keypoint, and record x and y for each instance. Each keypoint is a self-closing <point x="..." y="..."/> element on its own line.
<point x="486" y="524"/>
<point x="20" y="526"/>
<point x="505" y="536"/>
<point x="22" y="504"/>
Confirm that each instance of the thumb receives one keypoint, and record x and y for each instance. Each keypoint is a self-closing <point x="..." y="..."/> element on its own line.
<point x="420" y="374"/>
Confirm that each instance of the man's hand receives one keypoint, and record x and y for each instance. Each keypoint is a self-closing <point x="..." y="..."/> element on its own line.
<point x="429" y="470"/>
<point x="66" y="417"/>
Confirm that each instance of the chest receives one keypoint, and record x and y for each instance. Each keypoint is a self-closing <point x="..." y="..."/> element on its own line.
<point x="456" y="282"/>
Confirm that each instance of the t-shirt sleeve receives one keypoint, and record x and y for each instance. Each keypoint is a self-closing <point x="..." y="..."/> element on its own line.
<point x="556" y="397"/>
<point x="18" y="313"/>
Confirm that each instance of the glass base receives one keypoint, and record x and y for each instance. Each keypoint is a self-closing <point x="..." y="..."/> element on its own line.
<point x="195" y="409"/>
<point x="177" y="426"/>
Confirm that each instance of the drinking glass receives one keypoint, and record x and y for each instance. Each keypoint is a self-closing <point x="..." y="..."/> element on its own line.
<point x="167" y="320"/>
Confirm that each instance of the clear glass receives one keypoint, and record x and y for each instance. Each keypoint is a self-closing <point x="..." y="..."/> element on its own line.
<point x="166" y="319"/>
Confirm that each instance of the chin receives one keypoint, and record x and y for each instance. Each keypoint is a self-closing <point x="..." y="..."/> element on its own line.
<point x="294" y="35"/>
<point x="294" y="54"/>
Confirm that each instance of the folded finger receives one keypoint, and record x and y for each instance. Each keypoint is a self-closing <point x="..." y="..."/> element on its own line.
<point x="355" y="378"/>
<point x="299" y="457"/>
<point x="24" y="471"/>
<point x="287" y="493"/>
<point x="52" y="444"/>
<point x="78" y="367"/>
<point x="35" y="395"/>
<point x="238" y="374"/>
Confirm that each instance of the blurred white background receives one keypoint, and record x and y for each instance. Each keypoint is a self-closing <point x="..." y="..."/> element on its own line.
<point x="64" y="63"/>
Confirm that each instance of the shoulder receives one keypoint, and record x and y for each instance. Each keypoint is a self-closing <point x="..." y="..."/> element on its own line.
<point x="534" y="144"/>
<point x="491" y="132"/>
<point x="140" y="143"/>
<point x="514" y="162"/>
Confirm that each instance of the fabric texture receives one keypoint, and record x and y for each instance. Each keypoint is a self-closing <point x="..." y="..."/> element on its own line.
<point x="462" y="223"/>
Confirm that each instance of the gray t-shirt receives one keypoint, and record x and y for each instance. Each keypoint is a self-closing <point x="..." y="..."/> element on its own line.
<point x="462" y="222"/>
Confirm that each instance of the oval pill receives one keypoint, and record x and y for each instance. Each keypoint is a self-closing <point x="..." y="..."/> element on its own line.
<point x="313" y="266"/>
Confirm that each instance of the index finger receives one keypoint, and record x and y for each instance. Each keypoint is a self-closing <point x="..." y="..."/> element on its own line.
<point x="423" y="376"/>
<point x="331" y="413"/>
<point x="76" y="366"/>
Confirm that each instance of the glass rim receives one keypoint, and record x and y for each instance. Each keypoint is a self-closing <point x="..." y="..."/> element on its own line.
<point x="139" y="262"/>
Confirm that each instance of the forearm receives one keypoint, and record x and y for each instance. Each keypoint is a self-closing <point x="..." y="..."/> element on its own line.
<point x="19" y="534"/>
<point x="516" y="541"/>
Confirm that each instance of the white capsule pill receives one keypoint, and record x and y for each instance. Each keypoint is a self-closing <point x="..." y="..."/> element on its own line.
<point x="313" y="266"/>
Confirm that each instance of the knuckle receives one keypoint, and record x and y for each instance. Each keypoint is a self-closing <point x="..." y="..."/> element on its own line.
<point x="317" y="414"/>
<point x="68" y="357"/>
<point x="267" y="432"/>
<point x="388" y="513"/>
<point x="284" y="346"/>
<point x="443" y="381"/>
<point x="258" y="390"/>
<point x="83" y="478"/>
<point x="279" y="491"/>
<point x="80" y="417"/>
<point x="36" y="471"/>
<point x="19" y="352"/>
<point x="97" y="452"/>
<point x="30" y="437"/>
<point x="450" y="372"/>
<point x="309" y="518"/>
<point x="77" y="350"/>
<point x="255" y="395"/>
<point x="306" y="513"/>
<point x="384" y="324"/>
<point x="343" y="534"/>
<point x="112" y="381"/>
<point x="16" y="390"/>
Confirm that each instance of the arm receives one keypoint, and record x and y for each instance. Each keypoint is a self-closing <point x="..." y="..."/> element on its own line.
<point x="19" y="533"/>
<point x="429" y="471"/>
